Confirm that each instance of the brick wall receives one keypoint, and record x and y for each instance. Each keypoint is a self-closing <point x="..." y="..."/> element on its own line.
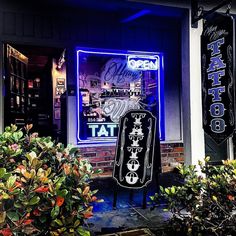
<point x="171" y="155"/>
<point x="103" y="157"/>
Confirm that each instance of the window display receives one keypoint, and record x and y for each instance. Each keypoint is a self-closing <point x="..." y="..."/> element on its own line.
<point x="110" y="83"/>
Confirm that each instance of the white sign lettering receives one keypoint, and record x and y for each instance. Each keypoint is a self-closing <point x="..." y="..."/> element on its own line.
<point x="115" y="108"/>
<point x="142" y="63"/>
<point x="102" y="130"/>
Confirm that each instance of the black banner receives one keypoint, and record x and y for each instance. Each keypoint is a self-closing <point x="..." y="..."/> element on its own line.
<point x="133" y="167"/>
<point x="217" y="48"/>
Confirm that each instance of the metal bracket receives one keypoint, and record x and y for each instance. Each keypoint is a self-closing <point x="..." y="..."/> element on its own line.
<point x="198" y="13"/>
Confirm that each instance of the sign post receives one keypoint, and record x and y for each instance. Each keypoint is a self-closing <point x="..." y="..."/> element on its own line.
<point x="218" y="92"/>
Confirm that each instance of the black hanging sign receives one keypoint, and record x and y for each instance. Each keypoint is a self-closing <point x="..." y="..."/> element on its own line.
<point x="133" y="165"/>
<point x="217" y="48"/>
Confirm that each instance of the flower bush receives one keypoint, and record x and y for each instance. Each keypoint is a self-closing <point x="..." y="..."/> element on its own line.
<point x="44" y="186"/>
<point x="206" y="203"/>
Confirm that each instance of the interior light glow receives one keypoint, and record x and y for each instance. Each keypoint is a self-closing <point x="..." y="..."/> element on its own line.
<point x="92" y="85"/>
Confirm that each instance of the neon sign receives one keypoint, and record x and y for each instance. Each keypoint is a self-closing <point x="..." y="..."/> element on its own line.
<point x="103" y="130"/>
<point x="143" y="63"/>
<point x="108" y="86"/>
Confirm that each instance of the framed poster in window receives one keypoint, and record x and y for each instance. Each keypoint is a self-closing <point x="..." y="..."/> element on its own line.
<point x="110" y="83"/>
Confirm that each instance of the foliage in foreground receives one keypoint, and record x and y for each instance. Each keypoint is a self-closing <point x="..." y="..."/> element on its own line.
<point x="44" y="187"/>
<point x="206" y="203"/>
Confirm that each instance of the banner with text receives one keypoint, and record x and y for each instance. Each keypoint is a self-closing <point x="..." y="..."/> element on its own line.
<point x="217" y="55"/>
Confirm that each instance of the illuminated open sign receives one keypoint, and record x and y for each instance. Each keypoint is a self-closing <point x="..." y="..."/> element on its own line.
<point x="143" y="63"/>
<point x="110" y="83"/>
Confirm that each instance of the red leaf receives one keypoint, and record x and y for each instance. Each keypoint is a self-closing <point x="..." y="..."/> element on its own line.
<point x="94" y="198"/>
<point x="88" y="214"/>
<point x="36" y="212"/>
<point x="18" y="184"/>
<point x="41" y="189"/>
<point x="6" y="232"/>
<point x="60" y="201"/>
<point x="230" y="197"/>
<point x="27" y="222"/>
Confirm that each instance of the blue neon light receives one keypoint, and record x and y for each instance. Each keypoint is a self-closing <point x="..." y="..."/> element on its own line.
<point x="156" y="65"/>
<point x="136" y="15"/>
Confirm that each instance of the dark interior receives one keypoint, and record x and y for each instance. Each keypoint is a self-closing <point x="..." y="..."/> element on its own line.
<point x="38" y="91"/>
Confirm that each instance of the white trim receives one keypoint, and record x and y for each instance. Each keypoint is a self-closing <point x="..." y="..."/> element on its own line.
<point x="230" y="148"/>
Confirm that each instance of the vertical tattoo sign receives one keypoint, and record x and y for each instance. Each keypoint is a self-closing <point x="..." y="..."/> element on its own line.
<point x="218" y="98"/>
<point x="133" y="166"/>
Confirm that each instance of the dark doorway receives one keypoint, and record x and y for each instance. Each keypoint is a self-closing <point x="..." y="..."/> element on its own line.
<point x="30" y="88"/>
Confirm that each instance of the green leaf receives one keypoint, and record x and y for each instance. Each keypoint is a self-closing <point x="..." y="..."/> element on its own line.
<point x="5" y="196"/>
<point x="152" y="198"/>
<point x="197" y="218"/>
<point x="17" y="205"/>
<point x="55" y="211"/>
<point x="2" y="172"/>
<point x="8" y="129"/>
<point x="43" y="219"/>
<point x="17" y="135"/>
<point x="77" y="223"/>
<point x="73" y="150"/>
<point x="59" y="222"/>
<point x="76" y="197"/>
<point x="172" y="189"/>
<point x="20" y="134"/>
<point x="11" y="181"/>
<point x="62" y="192"/>
<point x="13" y="216"/>
<point x="6" y="176"/>
<point x="162" y="189"/>
<point x="167" y="191"/>
<point x="83" y="232"/>
<point x="214" y="198"/>
<point x="34" y="200"/>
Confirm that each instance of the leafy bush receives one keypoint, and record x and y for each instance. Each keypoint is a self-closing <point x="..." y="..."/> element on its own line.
<point x="206" y="203"/>
<point x="44" y="187"/>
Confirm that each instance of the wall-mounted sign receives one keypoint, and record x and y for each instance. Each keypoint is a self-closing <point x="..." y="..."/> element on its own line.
<point x="109" y="84"/>
<point x="217" y="46"/>
<point x="133" y="166"/>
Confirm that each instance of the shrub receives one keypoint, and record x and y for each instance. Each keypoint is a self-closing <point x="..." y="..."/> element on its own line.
<point x="44" y="186"/>
<point x="206" y="203"/>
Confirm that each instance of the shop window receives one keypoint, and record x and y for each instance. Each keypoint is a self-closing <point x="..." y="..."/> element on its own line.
<point x="109" y="83"/>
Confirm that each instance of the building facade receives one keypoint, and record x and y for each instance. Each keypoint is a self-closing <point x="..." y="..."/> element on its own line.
<point x="157" y="26"/>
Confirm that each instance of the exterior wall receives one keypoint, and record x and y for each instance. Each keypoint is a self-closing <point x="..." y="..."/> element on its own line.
<point x="68" y="28"/>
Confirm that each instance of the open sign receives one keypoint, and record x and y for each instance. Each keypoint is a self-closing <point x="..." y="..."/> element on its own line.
<point x="143" y="63"/>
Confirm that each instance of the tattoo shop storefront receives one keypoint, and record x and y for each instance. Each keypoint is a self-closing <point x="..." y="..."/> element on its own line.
<point x="135" y="60"/>
<point x="109" y="84"/>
